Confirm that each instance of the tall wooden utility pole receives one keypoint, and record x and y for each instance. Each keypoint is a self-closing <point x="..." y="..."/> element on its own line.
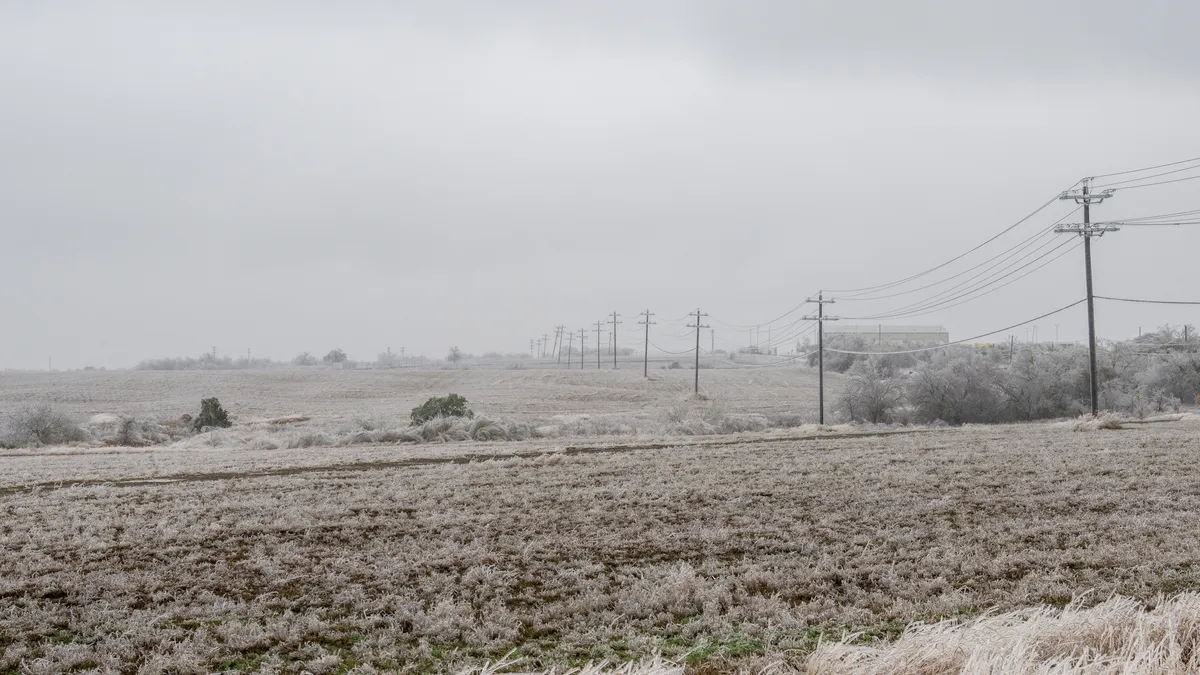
<point x="614" y="323"/>
<point x="598" y="330"/>
<point x="698" y="326"/>
<point x="820" y="318"/>
<point x="570" y="348"/>
<point x="545" y="341"/>
<point x="646" y="351"/>
<point x="582" y="337"/>
<point x="1086" y="230"/>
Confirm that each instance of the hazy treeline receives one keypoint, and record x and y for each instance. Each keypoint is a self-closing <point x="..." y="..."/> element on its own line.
<point x="206" y="362"/>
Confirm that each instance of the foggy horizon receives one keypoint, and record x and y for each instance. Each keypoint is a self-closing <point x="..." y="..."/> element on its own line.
<point x="293" y="177"/>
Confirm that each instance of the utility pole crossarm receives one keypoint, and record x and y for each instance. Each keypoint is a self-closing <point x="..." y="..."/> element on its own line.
<point x="1086" y="196"/>
<point x="1087" y="229"/>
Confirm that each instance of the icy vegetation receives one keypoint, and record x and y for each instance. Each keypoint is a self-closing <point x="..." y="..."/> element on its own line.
<point x="963" y="385"/>
<point x="426" y="558"/>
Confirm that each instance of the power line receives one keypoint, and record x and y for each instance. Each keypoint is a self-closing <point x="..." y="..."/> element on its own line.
<point x="765" y="323"/>
<point x="1148" y="302"/>
<point x="935" y="303"/>
<point x="760" y="365"/>
<point x="1153" y="175"/>
<point x="954" y="259"/>
<point x="1148" y="168"/>
<point x="1161" y="182"/>
<point x="667" y="351"/>
<point x="1010" y="282"/>
<point x="1012" y="250"/>
<point x="970" y="339"/>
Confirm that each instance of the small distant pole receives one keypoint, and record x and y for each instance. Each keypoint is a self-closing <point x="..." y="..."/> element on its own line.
<point x="545" y="341"/>
<point x="698" y="326"/>
<point x="570" y="348"/>
<point x="1012" y="347"/>
<point x="614" y="323"/>
<point x="646" y="352"/>
<point x="582" y="337"/>
<point x="531" y="343"/>
<point x="598" y="331"/>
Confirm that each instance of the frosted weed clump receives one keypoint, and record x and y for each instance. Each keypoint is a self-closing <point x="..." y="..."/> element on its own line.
<point x="1103" y="421"/>
<point x="1120" y="635"/>
<point x="40" y="425"/>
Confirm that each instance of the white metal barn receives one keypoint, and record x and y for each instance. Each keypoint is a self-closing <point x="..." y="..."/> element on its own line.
<point x="885" y="333"/>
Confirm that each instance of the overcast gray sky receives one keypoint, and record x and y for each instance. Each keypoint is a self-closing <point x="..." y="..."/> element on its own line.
<point x="296" y="176"/>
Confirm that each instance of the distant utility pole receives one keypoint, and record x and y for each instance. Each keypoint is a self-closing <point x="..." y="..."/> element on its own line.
<point x="1086" y="230"/>
<point x="615" y="323"/>
<point x="545" y="341"/>
<point x="247" y="356"/>
<point x="646" y="352"/>
<point x="712" y="339"/>
<point x="541" y="347"/>
<point x="698" y="326"/>
<point x="598" y="331"/>
<point x="820" y="318"/>
<point x="570" y="348"/>
<point x="558" y="334"/>
<point x="531" y="343"/>
<point x="582" y="349"/>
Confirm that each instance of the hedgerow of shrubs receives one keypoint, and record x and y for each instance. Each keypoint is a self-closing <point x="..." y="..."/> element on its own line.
<point x="963" y="385"/>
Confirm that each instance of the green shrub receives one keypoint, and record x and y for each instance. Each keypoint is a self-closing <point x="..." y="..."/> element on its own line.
<point x="211" y="415"/>
<point x="441" y="406"/>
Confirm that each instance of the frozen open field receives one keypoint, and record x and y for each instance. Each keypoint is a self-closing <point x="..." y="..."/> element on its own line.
<point x="429" y="558"/>
<point x="344" y="394"/>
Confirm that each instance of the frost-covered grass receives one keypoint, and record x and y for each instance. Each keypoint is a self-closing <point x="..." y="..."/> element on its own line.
<point x="372" y="558"/>
<point x="1118" y="636"/>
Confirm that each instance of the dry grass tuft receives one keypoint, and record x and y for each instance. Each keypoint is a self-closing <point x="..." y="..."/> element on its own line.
<point x="1103" y="421"/>
<point x="291" y="419"/>
<point x="653" y="666"/>
<point x="1119" y="635"/>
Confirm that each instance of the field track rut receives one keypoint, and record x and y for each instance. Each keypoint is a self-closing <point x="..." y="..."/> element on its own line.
<point x="569" y="450"/>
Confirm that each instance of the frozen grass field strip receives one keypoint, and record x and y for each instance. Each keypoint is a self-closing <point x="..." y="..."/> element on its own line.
<point x="745" y="549"/>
